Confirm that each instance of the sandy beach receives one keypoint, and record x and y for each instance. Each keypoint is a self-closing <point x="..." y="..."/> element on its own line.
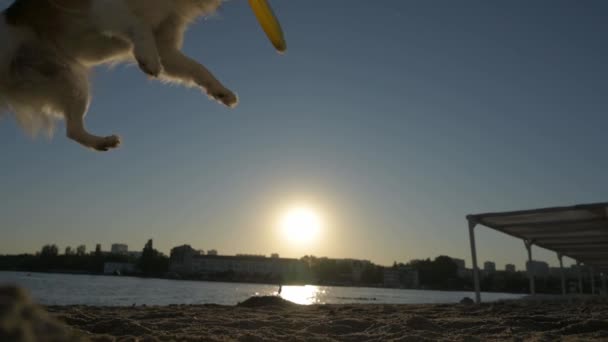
<point x="273" y="319"/>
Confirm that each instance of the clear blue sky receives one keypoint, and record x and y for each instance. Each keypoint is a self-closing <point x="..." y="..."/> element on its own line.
<point x="393" y="118"/>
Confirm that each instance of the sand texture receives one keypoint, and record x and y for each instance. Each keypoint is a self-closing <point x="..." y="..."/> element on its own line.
<point x="276" y="320"/>
<point x="273" y="319"/>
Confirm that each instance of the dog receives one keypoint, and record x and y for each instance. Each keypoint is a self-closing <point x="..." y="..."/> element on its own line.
<point x="47" y="48"/>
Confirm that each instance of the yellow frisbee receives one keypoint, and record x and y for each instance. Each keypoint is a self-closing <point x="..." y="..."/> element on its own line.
<point x="269" y="22"/>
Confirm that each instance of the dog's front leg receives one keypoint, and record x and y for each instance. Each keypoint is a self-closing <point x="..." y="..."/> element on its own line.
<point x="116" y="19"/>
<point x="144" y="49"/>
<point x="178" y="66"/>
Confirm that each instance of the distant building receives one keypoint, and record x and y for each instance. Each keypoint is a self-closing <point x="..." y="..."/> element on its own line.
<point x="489" y="267"/>
<point x="401" y="277"/>
<point x="356" y="266"/>
<point x="391" y="277"/>
<point x="187" y="261"/>
<point x="557" y="272"/>
<point x="537" y="268"/>
<point x="118" y="268"/>
<point x="246" y="255"/>
<point x="467" y="273"/>
<point x="462" y="271"/>
<point x="134" y="254"/>
<point x="510" y="268"/>
<point x="119" y="248"/>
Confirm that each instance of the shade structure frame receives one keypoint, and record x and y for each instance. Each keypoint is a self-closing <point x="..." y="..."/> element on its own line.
<point x="579" y="232"/>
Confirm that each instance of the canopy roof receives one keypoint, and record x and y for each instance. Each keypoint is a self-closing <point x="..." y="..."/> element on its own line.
<point x="579" y="232"/>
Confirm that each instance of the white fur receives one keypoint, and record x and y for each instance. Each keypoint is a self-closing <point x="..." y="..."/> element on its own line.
<point x="44" y="79"/>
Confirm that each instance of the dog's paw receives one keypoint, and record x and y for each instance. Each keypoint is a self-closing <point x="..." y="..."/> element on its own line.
<point x="107" y="143"/>
<point x="150" y="66"/>
<point x="223" y="95"/>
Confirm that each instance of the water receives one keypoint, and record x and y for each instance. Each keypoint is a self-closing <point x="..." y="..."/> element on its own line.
<point x="66" y="289"/>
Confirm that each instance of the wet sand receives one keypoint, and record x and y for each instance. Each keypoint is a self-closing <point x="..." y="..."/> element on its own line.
<point x="273" y="319"/>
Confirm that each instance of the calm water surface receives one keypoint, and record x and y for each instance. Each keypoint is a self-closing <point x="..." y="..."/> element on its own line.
<point x="66" y="289"/>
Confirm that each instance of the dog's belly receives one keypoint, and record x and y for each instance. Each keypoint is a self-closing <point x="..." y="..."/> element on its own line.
<point x="111" y="13"/>
<point x="84" y="43"/>
<point x="92" y="48"/>
<point x="152" y="12"/>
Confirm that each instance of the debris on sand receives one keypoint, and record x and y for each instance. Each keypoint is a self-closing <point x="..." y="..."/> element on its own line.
<point x="467" y="301"/>
<point x="264" y="301"/>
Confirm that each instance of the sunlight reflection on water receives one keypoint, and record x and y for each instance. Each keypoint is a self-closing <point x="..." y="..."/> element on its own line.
<point x="65" y="289"/>
<point x="308" y="294"/>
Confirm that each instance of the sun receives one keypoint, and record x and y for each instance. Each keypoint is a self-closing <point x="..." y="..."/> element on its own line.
<point x="301" y="224"/>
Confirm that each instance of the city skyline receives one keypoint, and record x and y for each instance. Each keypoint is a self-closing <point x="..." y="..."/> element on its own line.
<point x="392" y="121"/>
<point x="213" y="251"/>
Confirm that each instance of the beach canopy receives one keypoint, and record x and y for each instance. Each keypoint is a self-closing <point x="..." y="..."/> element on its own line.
<point x="579" y="232"/>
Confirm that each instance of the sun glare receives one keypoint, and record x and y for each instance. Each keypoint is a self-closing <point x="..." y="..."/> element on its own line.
<point x="300" y="224"/>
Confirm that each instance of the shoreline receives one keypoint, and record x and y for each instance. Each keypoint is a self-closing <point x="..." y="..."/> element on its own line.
<point x="259" y="283"/>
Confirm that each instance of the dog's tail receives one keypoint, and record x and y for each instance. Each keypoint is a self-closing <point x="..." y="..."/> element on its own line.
<point x="33" y="116"/>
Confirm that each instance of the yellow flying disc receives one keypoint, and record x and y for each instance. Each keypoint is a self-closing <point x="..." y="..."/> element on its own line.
<point x="269" y="22"/>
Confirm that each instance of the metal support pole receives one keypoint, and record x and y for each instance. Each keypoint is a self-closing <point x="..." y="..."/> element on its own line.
<point x="528" y="244"/>
<point x="561" y="270"/>
<point x="592" y="272"/>
<point x="580" y="277"/>
<point x="474" y="260"/>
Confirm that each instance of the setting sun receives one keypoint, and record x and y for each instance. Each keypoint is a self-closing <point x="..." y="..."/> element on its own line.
<point x="300" y="224"/>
